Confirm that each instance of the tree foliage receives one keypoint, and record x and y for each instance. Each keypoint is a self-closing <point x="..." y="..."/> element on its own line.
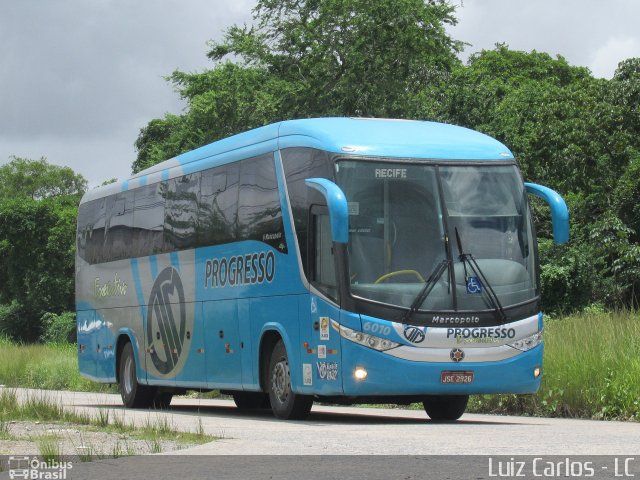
<point x="38" y="179"/>
<point x="38" y="209"/>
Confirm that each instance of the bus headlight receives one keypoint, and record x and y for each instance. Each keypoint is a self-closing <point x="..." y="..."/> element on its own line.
<point x="527" y="343"/>
<point x="371" y="341"/>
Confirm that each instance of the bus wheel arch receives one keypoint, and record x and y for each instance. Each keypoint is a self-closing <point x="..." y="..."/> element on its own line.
<point x="267" y="343"/>
<point x="133" y="394"/>
<point x="285" y="403"/>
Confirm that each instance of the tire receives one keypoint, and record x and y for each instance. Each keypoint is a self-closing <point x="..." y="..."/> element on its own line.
<point x="285" y="404"/>
<point x="251" y="400"/>
<point x="134" y="395"/>
<point x="445" y="408"/>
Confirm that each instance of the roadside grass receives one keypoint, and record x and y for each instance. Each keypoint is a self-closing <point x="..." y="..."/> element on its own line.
<point x="49" y="447"/>
<point x="4" y="429"/>
<point x="591" y="370"/>
<point x="151" y="430"/>
<point x="36" y="408"/>
<point x="51" y="366"/>
<point x="41" y="409"/>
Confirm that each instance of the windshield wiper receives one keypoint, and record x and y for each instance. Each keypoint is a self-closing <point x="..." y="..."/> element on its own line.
<point x="468" y="258"/>
<point x="426" y="290"/>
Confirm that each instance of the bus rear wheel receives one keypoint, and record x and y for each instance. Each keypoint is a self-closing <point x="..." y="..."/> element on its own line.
<point x="445" y="408"/>
<point x="134" y="395"/>
<point x="285" y="403"/>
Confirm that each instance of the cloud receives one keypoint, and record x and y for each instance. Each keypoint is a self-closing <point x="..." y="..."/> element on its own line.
<point x="606" y="58"/>
<point x="78" y="73"/>
<point x="574" y="29"/>
<point x="97" y="159"/>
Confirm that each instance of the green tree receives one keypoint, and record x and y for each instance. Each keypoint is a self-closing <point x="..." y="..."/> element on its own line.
<point x="308" y="58"/>
<point x="625" y="92"/>
<point x="627" y="198"/>
<point x="38" y="209"/>
<point x="225" y="100"/>
<point x="352" y="57"/>
<point x="38" y="179"/>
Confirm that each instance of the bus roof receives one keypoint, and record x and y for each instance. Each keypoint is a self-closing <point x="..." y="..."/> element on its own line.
<point x="354" y="136"/>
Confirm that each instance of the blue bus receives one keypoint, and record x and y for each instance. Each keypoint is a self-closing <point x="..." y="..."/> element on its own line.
<point x="341" y="260"/>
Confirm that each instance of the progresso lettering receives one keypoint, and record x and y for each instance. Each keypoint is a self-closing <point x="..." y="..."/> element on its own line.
<point x="481" y="333"/>
<point x="249" y="269"/>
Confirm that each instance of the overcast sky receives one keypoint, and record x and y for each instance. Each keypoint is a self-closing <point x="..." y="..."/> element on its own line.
<point x="79" y="78"/>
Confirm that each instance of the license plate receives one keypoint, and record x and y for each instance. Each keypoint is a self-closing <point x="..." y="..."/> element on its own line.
<point x="456" y="377"/>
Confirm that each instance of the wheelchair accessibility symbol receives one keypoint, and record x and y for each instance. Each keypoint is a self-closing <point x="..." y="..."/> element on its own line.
<point x="474" y="286"/>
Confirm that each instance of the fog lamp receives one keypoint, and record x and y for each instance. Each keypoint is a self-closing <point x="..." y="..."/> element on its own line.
<point x="536" y="372"/>
<point x="360" y="373"/>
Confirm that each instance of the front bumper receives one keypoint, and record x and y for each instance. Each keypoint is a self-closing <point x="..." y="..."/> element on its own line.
<point x="388" y="375"/>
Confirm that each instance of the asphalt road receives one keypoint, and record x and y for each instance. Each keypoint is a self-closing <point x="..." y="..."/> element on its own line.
<point x="367" y="431"/>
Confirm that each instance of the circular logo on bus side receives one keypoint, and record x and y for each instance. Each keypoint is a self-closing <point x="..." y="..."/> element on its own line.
<point x="166" y="321"/>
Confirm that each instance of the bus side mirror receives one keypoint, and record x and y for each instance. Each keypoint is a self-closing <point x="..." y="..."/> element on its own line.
<point x="337" y="206"/>
<point x="559" y="211"/>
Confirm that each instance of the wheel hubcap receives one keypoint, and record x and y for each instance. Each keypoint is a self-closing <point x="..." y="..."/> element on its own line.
<point x="280" y="383"/>
<point x="128" y="376"/>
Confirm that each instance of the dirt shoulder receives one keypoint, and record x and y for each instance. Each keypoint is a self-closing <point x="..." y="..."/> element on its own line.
<point x="84" y="441"/>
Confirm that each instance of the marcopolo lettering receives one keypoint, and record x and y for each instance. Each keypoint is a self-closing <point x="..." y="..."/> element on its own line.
<point x="391" y="173"/>
<point x="455" y="320"/>
<point x="481" y="333"/>
<point x="249" y="269"/>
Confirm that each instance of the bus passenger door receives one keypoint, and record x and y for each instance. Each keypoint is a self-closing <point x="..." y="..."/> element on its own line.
<point x="323" y="352"/>
<point x="222" y="344"/>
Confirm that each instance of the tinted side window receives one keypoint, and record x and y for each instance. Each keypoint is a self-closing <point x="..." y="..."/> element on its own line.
<point x="90" y="238"/>
<point x="300" y="164"/>
<point x="148" y="218"/>
<point x="323" y="270"/>
<point x="259" y="212"/>
<point x="82" y="231"/>
<point x="119" y="228"/>
<point x="96" y="246"/>
<point x="218" y="207"/>
<point x="181" y="212"/>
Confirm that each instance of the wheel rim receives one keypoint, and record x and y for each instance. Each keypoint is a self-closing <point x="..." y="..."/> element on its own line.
<point x="280" y="384"/>
<point x="128" y="376"/>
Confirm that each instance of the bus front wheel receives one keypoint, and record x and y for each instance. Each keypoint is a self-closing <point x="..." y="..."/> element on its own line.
<point x="284" y="402"/>
<point x="445" y="408"/>
<point x="134" y="395"/>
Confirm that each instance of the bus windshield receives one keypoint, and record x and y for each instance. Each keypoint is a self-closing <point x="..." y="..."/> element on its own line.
<point x="407" y="220"/>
